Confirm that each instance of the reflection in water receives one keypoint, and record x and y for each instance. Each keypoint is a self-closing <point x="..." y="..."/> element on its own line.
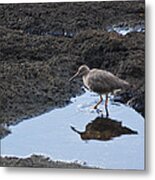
<point x="103" y="129"/>
<point x="50" y="134"/>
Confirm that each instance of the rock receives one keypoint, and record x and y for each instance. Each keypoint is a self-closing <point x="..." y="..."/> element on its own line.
<point x="38" y="161"/>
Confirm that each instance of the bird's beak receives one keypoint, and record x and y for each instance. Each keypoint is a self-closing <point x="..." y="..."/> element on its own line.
<point x="73" y="77"/>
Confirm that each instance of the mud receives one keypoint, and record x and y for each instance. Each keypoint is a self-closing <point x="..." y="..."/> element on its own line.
<point x="42" y="45"/>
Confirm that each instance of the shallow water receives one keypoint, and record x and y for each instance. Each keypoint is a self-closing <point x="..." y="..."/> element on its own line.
<point x="124" y="30"/>
<point x="50" y="134"/>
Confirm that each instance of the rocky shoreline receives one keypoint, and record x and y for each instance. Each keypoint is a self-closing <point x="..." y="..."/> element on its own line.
<point x="42" y="45"/>
<point x="39" y="161"/>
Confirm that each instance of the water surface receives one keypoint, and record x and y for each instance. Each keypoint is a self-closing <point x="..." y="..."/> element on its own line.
<point x="51" y="134"/>
<point x="125" y="29"/>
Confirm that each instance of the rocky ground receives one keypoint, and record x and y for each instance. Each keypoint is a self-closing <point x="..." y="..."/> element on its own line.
<point x="38" y="161"/>
<point x="42" y="45"/>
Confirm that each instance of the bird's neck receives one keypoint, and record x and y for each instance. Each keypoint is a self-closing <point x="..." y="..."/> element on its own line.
<point x="85" y="73"/>
<point x="84" y="76"/>
<point x="85" y="82"/>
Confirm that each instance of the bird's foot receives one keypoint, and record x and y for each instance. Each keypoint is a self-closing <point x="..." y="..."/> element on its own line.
<point x="95" y="107"/>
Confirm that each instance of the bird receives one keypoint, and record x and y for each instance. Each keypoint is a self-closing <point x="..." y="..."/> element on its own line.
<point x="101" y="82"/>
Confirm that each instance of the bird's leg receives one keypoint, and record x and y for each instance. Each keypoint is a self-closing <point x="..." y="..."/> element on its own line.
<point x="106" y="106"/>
<point x="99" y="102"/>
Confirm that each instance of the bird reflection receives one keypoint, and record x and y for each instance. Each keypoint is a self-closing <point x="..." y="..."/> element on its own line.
<point x="103" y="129"/>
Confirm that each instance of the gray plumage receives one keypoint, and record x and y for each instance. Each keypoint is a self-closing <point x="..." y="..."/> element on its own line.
<point x="103" y="82"/>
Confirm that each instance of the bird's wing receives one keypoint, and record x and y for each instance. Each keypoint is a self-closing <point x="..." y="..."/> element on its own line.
<point x="103" y="81"/>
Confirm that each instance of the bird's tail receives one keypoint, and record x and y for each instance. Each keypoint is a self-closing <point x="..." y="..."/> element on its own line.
<point x="129" y="85"/>
<point x="125" y="84"/>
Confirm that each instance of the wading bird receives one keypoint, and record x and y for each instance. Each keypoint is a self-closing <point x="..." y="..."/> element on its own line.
<point x="101" y="82"/>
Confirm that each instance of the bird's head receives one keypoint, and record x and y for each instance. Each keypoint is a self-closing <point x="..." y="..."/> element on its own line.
<point x="83" y="70"/>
